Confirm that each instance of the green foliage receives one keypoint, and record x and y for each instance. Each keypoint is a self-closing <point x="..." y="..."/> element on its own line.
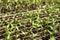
<point x="29" y="18"/>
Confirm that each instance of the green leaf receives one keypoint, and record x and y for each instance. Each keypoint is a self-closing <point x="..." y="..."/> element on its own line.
<point x="16" y="0"/>
<point x="0" y="1"/>
<point x="52" y="38"/>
